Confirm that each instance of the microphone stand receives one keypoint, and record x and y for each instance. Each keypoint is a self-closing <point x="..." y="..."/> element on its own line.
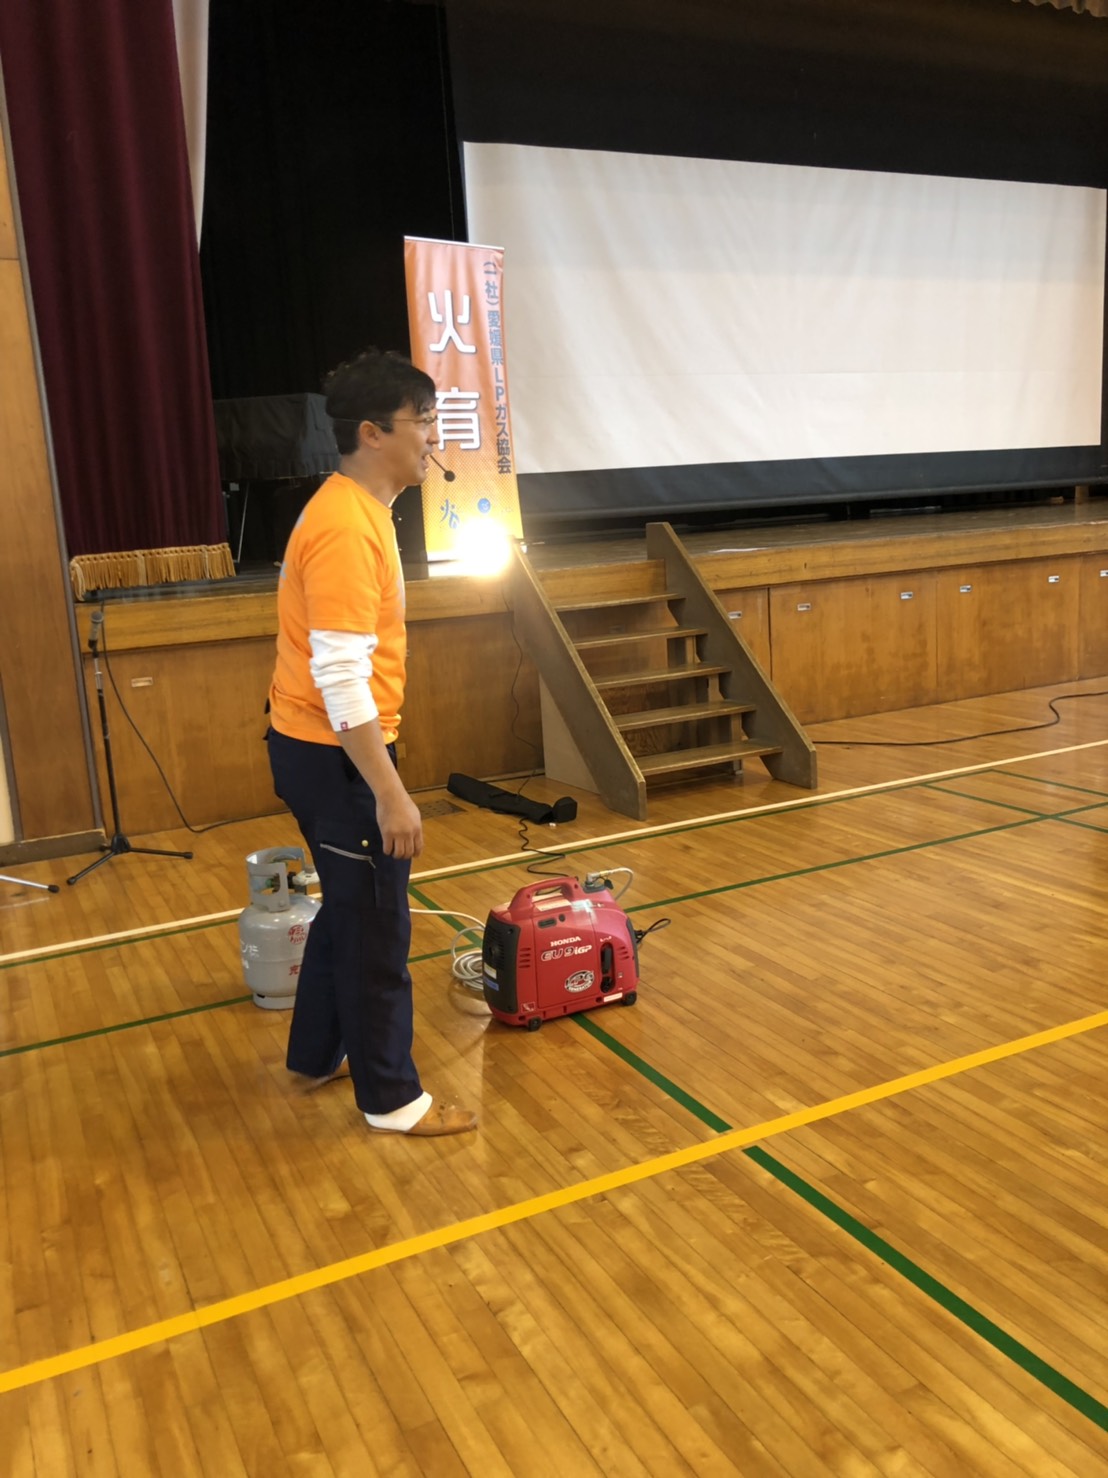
<point x="119" y="842"/>
<point x="26" y="883"/>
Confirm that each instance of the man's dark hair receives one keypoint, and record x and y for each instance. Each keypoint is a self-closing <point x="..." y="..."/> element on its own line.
<point x="374" y="387"/>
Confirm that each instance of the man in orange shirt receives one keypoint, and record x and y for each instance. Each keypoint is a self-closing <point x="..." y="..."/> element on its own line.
<point x="334" y="713"/>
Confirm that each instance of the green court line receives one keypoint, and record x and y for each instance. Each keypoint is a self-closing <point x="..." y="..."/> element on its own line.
<point x="1081" y="1400"/>
<point x="1084" y="825"/>
<point x="1058" y="784"/>
<point x="986" y="801"/>
<point x="1031" y="819"/>
<point x="570" y="849"/>
<point x="123" y="1026"/>
<point x="802" y="872"/>
<point x="686" y="1100"/>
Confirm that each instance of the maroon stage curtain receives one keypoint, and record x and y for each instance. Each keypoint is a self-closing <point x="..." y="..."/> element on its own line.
<point x="101" y="170"/>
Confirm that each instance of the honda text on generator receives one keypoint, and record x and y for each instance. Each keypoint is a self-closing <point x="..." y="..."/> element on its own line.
<point x="556" y="948"/>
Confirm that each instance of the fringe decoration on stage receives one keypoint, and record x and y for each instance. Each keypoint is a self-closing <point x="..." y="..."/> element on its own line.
<point x="90" y="572"/>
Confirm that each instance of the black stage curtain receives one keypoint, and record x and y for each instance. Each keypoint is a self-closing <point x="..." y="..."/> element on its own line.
<point x="330" y="137"/>
<point x="970" y="88"/>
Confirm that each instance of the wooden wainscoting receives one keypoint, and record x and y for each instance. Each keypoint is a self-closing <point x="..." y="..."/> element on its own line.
<point x="842" y="648"/>
<point x="847" y="647"/>
<point x="472" y="706"/>
<point x="1092" y="632"/>
<point x="201" y="710"/>
<point x="749" y="613"/>
<point x="472" y="702"/>
<point x="1002" y="627"/>
<point x="38" y="661"/>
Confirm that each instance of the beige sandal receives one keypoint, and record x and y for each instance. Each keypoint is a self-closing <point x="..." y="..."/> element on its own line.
<point x="440" y="1118"/>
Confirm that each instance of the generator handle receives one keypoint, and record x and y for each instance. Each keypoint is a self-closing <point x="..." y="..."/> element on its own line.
<point x="569" y="888"/>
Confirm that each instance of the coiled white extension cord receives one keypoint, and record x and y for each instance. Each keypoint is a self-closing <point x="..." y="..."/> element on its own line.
<point x="465" y="964"/>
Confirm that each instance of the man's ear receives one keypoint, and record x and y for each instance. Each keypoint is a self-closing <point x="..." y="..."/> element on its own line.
<point x="369" y="435"/>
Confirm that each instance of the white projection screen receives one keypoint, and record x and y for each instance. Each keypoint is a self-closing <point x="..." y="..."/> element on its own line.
<point x="666" y="312"/>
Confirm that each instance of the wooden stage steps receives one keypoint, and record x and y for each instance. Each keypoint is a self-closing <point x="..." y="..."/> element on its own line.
<point x="651" y="685"/>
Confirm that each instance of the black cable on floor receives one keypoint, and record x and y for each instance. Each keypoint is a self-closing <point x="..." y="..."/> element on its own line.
<point x="962" y="738"/>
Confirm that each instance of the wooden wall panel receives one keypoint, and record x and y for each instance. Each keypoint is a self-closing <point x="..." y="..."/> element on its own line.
<point x="201" y="711"/>
<point x="749" y="612"/>
<point x="1002" y="627"/>
<point x="38" y="667"/>
<point x="848" y="647"/>
<point x="472" y="702"/>
<point x="1092" y="651"/>
<point x="8" y="247"/>
<point x="7" y="253"/>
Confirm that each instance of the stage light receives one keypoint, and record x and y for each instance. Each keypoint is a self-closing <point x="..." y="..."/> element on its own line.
<point x="483" y="547"/>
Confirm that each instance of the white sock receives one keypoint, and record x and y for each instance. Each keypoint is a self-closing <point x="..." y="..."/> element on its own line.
<point x="401" y="1119"/>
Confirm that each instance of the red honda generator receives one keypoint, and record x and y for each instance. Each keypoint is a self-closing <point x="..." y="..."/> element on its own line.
<point x="558" y="948"/>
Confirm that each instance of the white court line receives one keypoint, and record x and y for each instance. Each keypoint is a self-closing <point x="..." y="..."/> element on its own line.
<point x="801" y="801"/>
<point x="461" y="868"/>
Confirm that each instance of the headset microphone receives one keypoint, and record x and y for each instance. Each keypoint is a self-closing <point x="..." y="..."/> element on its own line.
<point x="448" y="476"/>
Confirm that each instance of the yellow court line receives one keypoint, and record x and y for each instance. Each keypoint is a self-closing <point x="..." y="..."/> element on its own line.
<point x="337" y="1272"/>
<point x="434" y="874"/>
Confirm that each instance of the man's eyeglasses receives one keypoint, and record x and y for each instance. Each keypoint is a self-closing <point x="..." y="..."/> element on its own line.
<point x="432" y="419"/>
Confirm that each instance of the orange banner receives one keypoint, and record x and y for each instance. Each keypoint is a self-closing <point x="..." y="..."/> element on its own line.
<point x="456" y="321"/>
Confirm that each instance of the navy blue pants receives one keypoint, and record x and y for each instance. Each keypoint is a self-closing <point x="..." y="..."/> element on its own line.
<point x="354" y="993"/>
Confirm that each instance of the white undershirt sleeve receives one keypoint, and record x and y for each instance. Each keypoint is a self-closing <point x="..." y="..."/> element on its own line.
<point x="341" y="667"/>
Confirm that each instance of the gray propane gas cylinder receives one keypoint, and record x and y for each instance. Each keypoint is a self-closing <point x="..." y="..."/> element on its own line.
<point x="273" y="929"/>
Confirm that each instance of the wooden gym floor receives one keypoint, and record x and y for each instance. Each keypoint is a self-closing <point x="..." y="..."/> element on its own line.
<point x="832" y="1198"/>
